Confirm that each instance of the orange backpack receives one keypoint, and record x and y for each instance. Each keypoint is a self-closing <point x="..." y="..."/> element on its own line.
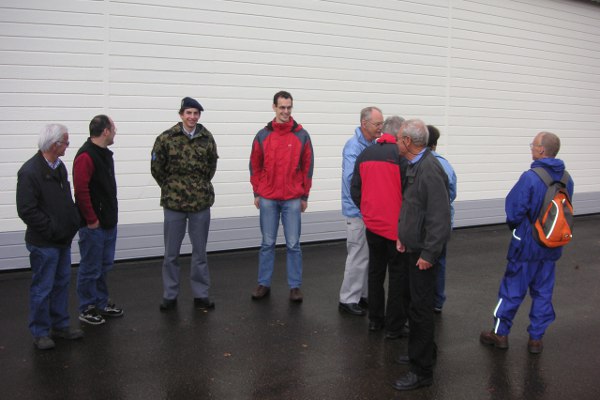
<point x="553" y="226"/>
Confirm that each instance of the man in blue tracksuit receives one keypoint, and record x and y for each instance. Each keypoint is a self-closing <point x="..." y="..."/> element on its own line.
<point x="530" y="265"/>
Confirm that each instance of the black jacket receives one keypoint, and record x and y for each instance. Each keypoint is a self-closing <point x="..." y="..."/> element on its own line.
<point x="102" y="185"/>
<point x="425" y="216"/>
<point x="45" y="204"/>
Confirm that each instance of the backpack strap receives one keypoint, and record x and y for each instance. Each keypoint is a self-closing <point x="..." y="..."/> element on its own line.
<point x="545" y="176"/>
<point x="548" y="181"/>
<point x="565" y="178"/>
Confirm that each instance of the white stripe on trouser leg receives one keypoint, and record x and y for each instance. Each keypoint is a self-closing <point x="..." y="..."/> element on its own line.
<point x="497" y="319"/>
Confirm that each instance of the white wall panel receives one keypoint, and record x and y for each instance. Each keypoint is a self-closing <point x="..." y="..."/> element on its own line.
<point x="489" y="74"/>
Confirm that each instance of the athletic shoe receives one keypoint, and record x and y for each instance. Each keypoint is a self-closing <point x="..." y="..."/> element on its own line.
<point x="111" y="310"/>
<point x="91" y="316"/>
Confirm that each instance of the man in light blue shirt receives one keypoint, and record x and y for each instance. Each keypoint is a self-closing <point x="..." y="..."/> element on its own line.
<point x="440" y="295"/>
<point x="354" y="290"/>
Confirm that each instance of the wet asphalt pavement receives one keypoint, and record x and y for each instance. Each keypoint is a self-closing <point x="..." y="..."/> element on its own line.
<point x="273" y="349"/>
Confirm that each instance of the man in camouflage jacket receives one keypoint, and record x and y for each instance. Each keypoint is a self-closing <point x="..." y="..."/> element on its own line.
<point x="184" y="161"/>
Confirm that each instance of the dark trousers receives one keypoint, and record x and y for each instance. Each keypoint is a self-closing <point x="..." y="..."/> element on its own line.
<point x="419" y="292"/>
<point x="383" y="257"/>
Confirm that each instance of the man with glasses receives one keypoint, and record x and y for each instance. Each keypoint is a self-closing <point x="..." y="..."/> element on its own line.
<point x="530" y="265"/>
<point x="376" y="190"/>
<point x="423" y="230"/>
<point x="96" y="196"/>
<point x="440" y="280"/>
<point x="354" y="290"/>
<point x="281" y="169"/>
<point x="45" y="205"/>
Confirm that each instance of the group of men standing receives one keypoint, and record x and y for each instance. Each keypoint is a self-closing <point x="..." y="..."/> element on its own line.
<point x="397" y="195"/>
<point x="396" y="200"/>
<point x="183" y="163"/>
<point x="45" y="204"/>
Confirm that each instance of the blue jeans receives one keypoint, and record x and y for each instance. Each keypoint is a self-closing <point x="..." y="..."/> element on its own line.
<point x="97" y="249"/>
<point x="440" y="280"/>
<point x="49" y="291"/>
<point x="270" y="213"/>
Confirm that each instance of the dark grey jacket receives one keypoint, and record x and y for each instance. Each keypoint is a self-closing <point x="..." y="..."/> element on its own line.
<point x="45" y="204"/>
<point x="424" y="224"/>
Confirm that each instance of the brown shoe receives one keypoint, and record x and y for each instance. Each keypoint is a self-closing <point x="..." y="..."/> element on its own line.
<point x="296" y="295"/>
<point x="535" y="346"/>
<point x="489" y="337"/>
<point x="260" y="292"/>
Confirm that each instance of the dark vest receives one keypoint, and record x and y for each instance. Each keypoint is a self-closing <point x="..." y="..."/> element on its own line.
<point x="103" y="186"/>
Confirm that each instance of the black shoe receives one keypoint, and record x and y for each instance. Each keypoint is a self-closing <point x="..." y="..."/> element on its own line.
<point x="203" y="303"/>
<point x="168" y="304"/>
<point x="437" y="310"/>
<point x="410" y="381"/>
<point x="364" y="303"/>
<point x="66" y="333"/>
<point x="402" y="359"/>
<point x="375" y="326"/>
<point x="43" y="343"/>
<point x="402" y="332"/>
<point x="351" y="308"/>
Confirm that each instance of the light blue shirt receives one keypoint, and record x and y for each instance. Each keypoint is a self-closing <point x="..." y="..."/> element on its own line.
<point x="354" y="146"/>
<point x="452" y="181"/>
<point x="54" y="164"/>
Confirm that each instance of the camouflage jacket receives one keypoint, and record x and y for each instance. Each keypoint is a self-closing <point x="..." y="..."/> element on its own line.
<point x="184" y="167"/>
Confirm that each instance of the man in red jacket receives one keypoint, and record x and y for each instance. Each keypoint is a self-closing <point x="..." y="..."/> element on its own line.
<point x="281" y="168"/>
<point x="376" y="188"/>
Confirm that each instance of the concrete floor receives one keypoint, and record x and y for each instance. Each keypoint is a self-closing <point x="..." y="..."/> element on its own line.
<point x="276" y="350"/>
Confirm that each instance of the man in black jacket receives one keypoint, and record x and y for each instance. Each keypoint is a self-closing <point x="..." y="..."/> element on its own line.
<point x="96" y="197"/>
<point x="45" y="205"/>
<point x="423" y="229"/>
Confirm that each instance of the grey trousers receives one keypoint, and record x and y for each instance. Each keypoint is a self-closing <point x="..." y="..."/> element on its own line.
<point x="174" y="231"/>
<point x="355" y="283"/>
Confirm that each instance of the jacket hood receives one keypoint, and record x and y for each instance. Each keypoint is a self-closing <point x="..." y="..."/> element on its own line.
<point x="386" y="138"/>
<point x="290" y="126"/>
<point x="555" y="164"/>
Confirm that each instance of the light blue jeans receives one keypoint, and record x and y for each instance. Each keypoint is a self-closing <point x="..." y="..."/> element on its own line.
<point x="271" y="211"/>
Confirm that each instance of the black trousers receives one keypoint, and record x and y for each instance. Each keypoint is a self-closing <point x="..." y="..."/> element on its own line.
<point x="383" y="257"/>
<point x="419" y="292"/>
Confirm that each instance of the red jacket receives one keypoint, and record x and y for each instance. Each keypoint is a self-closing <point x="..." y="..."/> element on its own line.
<point x="376" y="187"/>
<point x="281" y="162"/>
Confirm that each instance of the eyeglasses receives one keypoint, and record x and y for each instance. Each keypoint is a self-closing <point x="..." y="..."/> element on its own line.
<point x="377" y="125"/>
<point x="532" y="145"/>
<point x="284" y="108"/>
<point x="65" y="143"/>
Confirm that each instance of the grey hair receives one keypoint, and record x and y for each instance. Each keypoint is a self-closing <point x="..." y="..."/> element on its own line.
<point x="51" y="134"/>
<point x="417" y="130"/>
<point x="365" y="113"/>
<point x="550" y="143"/>
<point x="392" y="124"/>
